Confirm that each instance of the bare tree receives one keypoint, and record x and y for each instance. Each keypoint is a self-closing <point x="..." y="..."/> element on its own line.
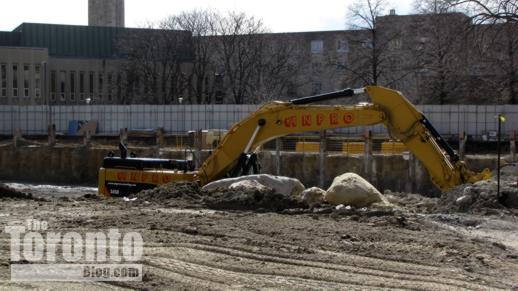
<point x="497" y="46"/>
<point x="154" y="63"/>
<point x="203" y="25"/>
<point x="489" y="11"/>
<point x="496" y="39"/>
<point x="364" y="15"/>
<point x="231" y="53"/>
<point x="439" y="51"/>
<point x="278" y="68"/>
<point x="239" y="48"/>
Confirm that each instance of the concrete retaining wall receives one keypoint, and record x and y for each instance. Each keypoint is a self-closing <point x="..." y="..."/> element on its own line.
<point x="392" y="172"/>
<point x="79" y="165"/>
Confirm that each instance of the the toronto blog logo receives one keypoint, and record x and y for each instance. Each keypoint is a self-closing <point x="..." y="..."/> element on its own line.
<point x="40" y="254"/>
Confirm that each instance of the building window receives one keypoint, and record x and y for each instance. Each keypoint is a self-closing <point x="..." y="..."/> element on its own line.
<point x="342" y="46"/>
<point x="316" y="88"/>
<point x="53" y="85"/>
<point x="37" y="81"/>
<point x="72" y="85"/>
<point x="316" y="67"/>
<point x="341" y="63"/>
<point x="317" y="46"/>
<point x="91" y="86"/>
<point x="62" y="85"/>
<point x="395" y="44"/>
<point x="368" y="44"/>
<point x="15" y="80"/>
<point x="110" y="86"/>
<point x="3" y="78"/>
<point x="136" y="87"/>
<point x="81" y="86"/>
<point x="100" y="84"/>
<point x="26" y="80"/>
<point x="119" y="87"/>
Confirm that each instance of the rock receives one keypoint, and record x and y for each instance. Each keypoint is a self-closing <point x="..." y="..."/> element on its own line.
<point x="340" y="206"/>
<point x="351" y="189"/>
<point x="312" y="196"/>
<point x="464" y="201"/>
<point x="282" y="185"/>
<point x="510" y="199"/>
<point x="249" y="185"/>
<point x="485" y="195"/>
<point x="510" y="169"/>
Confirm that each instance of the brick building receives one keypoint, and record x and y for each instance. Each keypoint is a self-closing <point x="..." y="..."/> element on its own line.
<point x="430" y="58"/>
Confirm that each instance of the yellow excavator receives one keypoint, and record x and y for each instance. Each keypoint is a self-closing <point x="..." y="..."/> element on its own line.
<point x="235" y="154"/>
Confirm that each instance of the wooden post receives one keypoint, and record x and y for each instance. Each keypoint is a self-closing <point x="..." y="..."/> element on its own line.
<point x="410" y="183"/>
<point x="463" y="138"/>
<point x="17" y="136"/>
<point x="51" y="132"/>
<point x="197" y="146"/>
<point x="160" y="137"/>
<point x="87" y="137"/>
<point x="512" y="146"/>
<point x="123" y="136"/>
<point x="368" y="154"/>
<point x="278" y="147"/>
<point x="323" y="154"/>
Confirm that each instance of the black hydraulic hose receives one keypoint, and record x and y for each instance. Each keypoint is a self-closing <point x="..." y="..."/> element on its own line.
<point x="440" y="141"/>
<point x="324" y="97"/>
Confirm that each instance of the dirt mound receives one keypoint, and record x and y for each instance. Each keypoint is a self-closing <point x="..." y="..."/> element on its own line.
<point x="10" y="193"/>
<point x="250" y="200"/>
<point x="172" y="195"/>
<point x="190" y="195"/>
<point x="415" y="203"/>
<point x="481" y="197"/>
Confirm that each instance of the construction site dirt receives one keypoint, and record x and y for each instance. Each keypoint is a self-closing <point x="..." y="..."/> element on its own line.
<point x="196" y="240"/>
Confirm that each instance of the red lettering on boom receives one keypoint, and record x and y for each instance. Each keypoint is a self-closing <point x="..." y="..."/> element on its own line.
<point x="320" y="119"/>
<point x="306" y="120"/>
<point x="290" y="121"/>
<point x="348" y="118"/>
<point x="333" y="118"/>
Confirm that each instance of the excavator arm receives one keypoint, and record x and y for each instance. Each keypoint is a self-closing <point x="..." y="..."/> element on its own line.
<point x="402" y="119"/>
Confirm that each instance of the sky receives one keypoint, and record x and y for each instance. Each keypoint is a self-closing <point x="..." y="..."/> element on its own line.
<point x="278" y="15"/>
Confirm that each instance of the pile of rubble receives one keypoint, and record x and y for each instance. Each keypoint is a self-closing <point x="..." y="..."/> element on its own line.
<point x="349" y="194"/>
<point x="171" y="195"/>
<point x="268" y="193"/>
<point x="7" y="192"/>
<point x="481" y="197"/>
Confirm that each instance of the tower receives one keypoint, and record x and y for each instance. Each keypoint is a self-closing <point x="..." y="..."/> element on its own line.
<point x="106" y="13"/>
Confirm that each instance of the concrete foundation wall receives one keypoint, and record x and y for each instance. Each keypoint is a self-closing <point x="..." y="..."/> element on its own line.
<point x="63" y="165"/>
<point x="79" y="165"/>
<point x="393" y="172"/>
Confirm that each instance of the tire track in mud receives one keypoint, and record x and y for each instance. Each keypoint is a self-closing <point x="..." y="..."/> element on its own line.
<point x="355" y="274"/>
<point x="8" y="285"/>
<point x="215" y="277"/>
<point x="366" y="263"/>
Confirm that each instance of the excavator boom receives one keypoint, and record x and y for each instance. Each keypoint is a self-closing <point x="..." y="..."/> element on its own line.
<point x="389" y="107"/>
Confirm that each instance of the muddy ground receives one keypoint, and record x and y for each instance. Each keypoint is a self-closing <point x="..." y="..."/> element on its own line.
<point x="190" y="244"/>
